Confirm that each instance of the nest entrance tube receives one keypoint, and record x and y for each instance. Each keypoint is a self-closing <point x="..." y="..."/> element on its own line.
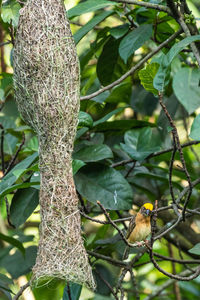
<point x="46" y="79"/>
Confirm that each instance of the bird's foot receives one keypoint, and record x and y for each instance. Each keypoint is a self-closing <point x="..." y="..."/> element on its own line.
<point x="140" y="244"/>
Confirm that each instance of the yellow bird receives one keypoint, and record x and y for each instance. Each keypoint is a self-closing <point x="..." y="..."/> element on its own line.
<point x="139" y="226"/>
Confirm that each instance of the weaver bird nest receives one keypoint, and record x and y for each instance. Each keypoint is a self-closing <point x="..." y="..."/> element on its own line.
<point x="46" y="78"/>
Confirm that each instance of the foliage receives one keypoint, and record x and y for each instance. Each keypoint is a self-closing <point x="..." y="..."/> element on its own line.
<point x="139" y="104"/>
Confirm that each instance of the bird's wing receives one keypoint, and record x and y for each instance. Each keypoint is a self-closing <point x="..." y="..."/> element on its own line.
<point x="130" y="227"/>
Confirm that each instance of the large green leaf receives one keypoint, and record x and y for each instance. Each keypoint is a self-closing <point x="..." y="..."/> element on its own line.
<point x="15" y="173"/>
<point x="87" y="6"/>
<point x="121" y="93"/>
<point x="14" y="242"/>
<point x="140" y="143"/>
<point x="191" y="291"/>
<point x="23" y="204"/>
<point x="147" y="75"/>
<point x="107" y="62"/>
<point x="159" y="79"/>
<point x="97" y="182"/>
<point x="195" y="249"/>
<point x="134" y="40"/>
<point x="10" y="12"/>
<point x="4" y="285"/>
<point x="72" y="291"/>
<point x="84" y="120"/>
<point x="19" y="186"/>
<point x="109" y="115"/>
<point x="17" y="265"/>
<point x="195" y="129"/>
<point x="121" y="125"/>
<point x="76" y="165"/>
<point x="103" y="272"/>
<point x="93" y="153"/>
<point x="90" y="25"/>
<point x="118" y="31"/>
<point x="186" y="88"/>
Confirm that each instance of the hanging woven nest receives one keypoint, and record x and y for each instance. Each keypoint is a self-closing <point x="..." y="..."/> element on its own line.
<point x="46" y="79"/>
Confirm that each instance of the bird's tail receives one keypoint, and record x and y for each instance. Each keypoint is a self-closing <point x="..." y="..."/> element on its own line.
<point x="126" y="253"/>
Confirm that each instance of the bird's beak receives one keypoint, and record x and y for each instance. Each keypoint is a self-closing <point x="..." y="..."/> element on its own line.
<point x="148" y="212"/>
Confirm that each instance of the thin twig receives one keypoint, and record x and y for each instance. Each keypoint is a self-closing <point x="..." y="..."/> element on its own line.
<point x="171" y="170"/>
<point x="5" y="43"/>
<point x="134" y="68"/>
<point x="104" y="222"/>
<point x="107" y="284"/>
<point x="137" y="295"/>
<point x="131" y="169"/>
<point x="8" y="213"/>
<point x="22" y="289"/>
<point x="2" y="146"/>
<point x="127" y="161"/>
<point x="15" y="156"/>
<point x="146" y="4"/>
<point x="110" y="260"/>
<point x="69" y="291"/>
<point x="112" y="223"/>
<point x="179" y="148"/>
<point x="175" y="284"/>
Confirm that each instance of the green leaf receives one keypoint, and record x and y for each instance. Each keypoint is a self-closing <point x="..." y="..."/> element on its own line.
<point x="90" y="25"/>
<point x="120" y="93"/>
<point x="35" y="179"/>
<point x="147" y="75"/>
<point x="186" y="88"/>
<point x="72" y="291"/>
<point x="18" y="187"/>
<point x="87" y="6"/>
<point x="195" y="249"/>
<point x="195" y="129"/>
<point x="84" y="120"/>
<point x="76" y="165"/>
<point x="159" y="79"/>
<point x="5" y="279"/>
<point x="140" y="143"/>
<point x="109" y="115"/>
<point x="33" y="144"/>
<point x="93" y="153"/>
<point x="191" y="288"/>
<point x="121" y="125"/>
<point x="10" y="12"/>
<point x="105" y="273"/>
<point x="14" y="242"/>
<point x="15" y="173"/>
<point x="134" y="40"/>
<point x="17" y="265"/>
<point x="4" y="285"/>
<point x="107" y="62"/>
<point x="23" y="204"/>
<point x="119" y="31"/>
<point x="97" y="182"/>
<point x="6" y="292"/>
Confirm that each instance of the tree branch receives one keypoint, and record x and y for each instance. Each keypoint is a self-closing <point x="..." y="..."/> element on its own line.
<point x="127" y="161"/>
<point x="22" y="289"/>
<point x="110" y="260"/>
<point x="177" y="144"/>
<point x="146" y="4"/>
